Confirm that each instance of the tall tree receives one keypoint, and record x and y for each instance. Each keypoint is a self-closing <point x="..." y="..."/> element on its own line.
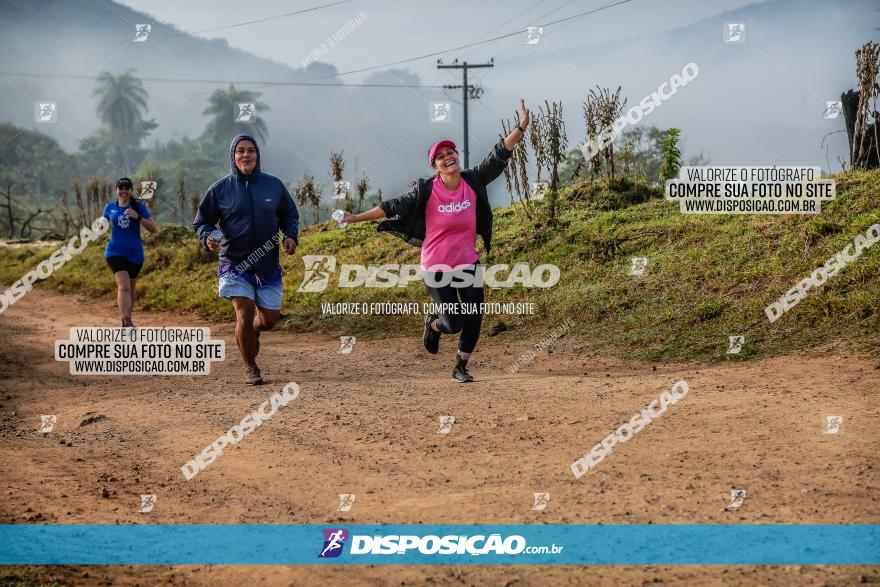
<point x="670" y="157"/>
<point x="181" y="196"/>
<point x="337" y="167"/>
<point x="229" y="118"/>
<point x="302" y="196"/>
<point x="363" y="185"/>
<point x="555" y="140"/>
<point x="315" y="192"/>
<point x="122" y="104"/>
<point x="516" y="173"/>
<point x="601" y="109"/>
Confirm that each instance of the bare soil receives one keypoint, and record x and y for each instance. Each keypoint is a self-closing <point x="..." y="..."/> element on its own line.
<point x="367" y="423"/>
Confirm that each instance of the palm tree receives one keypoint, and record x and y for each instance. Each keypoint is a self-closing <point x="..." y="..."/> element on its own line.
<point x="362" y="186"/>
<point x="122" y="104"/>
<point x="223" y="107"/>
<point x="302" y="196"/>
<point x="314" y="192"/>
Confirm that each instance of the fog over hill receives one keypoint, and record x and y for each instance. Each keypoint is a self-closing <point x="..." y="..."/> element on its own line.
<point x="758" y="102"/>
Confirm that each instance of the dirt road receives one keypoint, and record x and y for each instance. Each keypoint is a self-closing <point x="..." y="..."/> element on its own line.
<point x="367" y="423"/>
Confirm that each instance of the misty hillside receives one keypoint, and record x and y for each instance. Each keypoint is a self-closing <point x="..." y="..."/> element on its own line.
<point x="757" y="103"/>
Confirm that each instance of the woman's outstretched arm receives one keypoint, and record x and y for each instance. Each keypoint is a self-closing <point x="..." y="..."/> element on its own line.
<point x="373" y="214"/>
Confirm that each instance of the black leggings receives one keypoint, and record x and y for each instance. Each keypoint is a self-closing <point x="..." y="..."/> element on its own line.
<point x="452" y="321"/>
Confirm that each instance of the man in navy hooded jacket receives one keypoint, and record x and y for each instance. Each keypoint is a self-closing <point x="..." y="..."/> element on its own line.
<point x="250" y="207"/>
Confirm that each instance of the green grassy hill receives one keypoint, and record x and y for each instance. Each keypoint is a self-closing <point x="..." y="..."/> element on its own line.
<point x="708" y="277"/>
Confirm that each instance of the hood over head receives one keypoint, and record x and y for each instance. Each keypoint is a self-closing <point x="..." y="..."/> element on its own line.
<point x="234" y="170"/>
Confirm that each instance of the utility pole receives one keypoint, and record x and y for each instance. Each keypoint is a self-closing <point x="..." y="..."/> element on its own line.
<point x="466" y="91"/>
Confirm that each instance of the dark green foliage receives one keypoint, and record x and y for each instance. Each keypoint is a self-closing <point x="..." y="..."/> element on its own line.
<point x="670" y="156"/>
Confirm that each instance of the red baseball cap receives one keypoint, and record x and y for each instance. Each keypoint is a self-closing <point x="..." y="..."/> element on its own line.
<point x="439" y="145"/>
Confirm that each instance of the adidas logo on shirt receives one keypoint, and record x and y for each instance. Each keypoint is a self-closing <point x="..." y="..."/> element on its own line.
<point x="456" y="208"/>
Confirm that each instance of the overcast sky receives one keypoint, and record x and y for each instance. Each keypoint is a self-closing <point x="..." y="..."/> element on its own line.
<point x="398" y="29"/>
<point x="758" y="102"/>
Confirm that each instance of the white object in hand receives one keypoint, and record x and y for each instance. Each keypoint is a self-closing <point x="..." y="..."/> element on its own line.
<point x="337" y="216"/>
<point x="216" y="235"/>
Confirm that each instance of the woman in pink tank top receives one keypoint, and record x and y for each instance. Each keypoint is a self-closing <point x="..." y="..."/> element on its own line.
<point x="443" y="216"/>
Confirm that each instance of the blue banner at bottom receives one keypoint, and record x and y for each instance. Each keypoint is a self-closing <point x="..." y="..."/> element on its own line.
<point x="492" y="544"/>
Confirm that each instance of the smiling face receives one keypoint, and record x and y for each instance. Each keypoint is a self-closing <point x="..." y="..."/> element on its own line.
<point x="446" y="161"/>
<point x="245" y="157"/>
<point x="123" y="194"/>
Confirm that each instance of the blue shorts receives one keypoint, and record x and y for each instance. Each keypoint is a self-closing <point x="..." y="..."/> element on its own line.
<point x="268" y="296"/>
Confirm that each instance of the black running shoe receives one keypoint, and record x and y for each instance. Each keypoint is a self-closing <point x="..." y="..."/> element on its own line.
<point x="461" y="374"/>
<point x="431" y="338"/>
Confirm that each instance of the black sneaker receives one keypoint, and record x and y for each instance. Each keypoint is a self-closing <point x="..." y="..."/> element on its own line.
<point x="431" y="338"/>
<point x="253" y="376"/>
<point x="461" y="374"/>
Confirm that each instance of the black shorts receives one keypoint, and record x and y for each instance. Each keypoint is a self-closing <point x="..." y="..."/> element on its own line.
<point x="119" y="263"/>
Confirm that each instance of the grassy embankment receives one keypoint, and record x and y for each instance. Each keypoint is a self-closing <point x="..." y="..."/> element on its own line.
<point x="708" y="277"/>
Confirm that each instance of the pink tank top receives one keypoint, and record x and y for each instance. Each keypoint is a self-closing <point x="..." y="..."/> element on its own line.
<point x="450" y="227"/>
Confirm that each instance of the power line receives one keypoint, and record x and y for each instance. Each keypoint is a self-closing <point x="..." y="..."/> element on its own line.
<point x="255" y="21"/>
<point x="224" y="82"/>
<point x="468" y="45"/>
<point x="308" y="82"/>
<point x="427" y="55"/>
<point x="477" y="43"/>
<point x="219" y="28"/>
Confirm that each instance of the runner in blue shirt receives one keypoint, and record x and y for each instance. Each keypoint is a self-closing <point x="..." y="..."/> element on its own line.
<point x="125" y="252"/>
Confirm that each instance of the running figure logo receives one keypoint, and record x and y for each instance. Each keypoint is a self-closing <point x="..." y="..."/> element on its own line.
<point x="317" y="272"/>
<point x="47" y="423"/>
<point x="638" y="265"/>
<point x="245" y="112"/>
<point x="440" y="112"/>
<point x="346" y="500"/>
<point x="539" y="190"/>
<point x="737" y="496"/>
<point x="147" y="503"/>
<point x="534" y="35"/>
<point x="148" y="189"/>
<point x="141" y="32"/>
<point x="832" y="109"/>
<point x="833" y="424"/>
<point x="541" y="500"/>
<point x="734" y="32"/>
<point x="340" y="189"/>
<point x="346" y="344"/>
<point x="46" y="112"/>
<point x="736" y="344"/>
<point x="334" y="541"/>
<point x="446" y="423"/>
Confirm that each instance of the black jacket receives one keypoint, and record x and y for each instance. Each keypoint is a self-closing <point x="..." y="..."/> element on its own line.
<point x="406" y="214"/>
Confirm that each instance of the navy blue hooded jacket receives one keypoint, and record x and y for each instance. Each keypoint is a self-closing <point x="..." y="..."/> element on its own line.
<point x="250" y="210"/>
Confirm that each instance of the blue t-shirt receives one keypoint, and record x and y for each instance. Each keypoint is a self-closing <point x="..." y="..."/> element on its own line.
<point x="125" y="235"/>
